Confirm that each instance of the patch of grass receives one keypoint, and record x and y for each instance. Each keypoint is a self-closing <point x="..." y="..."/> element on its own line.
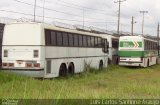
<point x="114" y="82"/>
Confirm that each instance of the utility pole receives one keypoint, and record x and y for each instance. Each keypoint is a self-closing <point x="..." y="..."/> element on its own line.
<point x="35" y="10"/>
<point x="158" y="38"/>
<point x="132" y="25"/>
<point x="83" y="18"/>
<point x="143" y="12"/>
<point x="43" y="9"/>
<point x="119" y="13"/>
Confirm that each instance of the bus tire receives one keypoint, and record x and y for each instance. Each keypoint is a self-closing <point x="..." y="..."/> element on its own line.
<point x="63" y="70"/>
<point x="71" y="68"/>
<point x="101" y="65"/>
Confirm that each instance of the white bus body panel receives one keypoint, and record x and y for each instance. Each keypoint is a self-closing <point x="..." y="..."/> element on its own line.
<point x="23" y="34"/>
<point x="24" y="54"/>
<point x="79" y="56"/>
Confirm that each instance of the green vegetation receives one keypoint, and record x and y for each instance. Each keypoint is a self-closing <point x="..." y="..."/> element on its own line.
<point x="113" y="82"/>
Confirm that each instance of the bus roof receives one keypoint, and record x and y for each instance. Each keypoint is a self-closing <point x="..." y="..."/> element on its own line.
<point x="72" y="30"/>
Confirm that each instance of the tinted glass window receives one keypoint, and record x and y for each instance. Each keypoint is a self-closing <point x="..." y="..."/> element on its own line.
<point x="85" y="41"/>
<point x="65" y="39"/>
<point x="53" y="38"/>
<point x="99" y="42"/>
<point x="70" y="39"/>
<point x="156" y="46"/>
<point x="105" y="45"/>
<point x="89" y="41"/>
<point x="76" y="40"/>
<point x="80" y="41"/>
<point x="145" y="43"/>
<point x="59" y="39"/>
<point x="47" y="37"/>
<point x="96" y="42"/>
<point x="150" y="45"/>
<point x="92" y="41"/>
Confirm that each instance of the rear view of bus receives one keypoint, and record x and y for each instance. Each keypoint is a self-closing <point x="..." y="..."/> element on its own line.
<point x="131" y="51"/>
<point x="21" y="49"/>
<point x="137" y="51"/>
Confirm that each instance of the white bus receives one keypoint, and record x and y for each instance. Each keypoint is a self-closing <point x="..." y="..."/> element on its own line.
<point x="47" y="51"/>
<point x="137" y="51"/>
<point x="113" y="41"/>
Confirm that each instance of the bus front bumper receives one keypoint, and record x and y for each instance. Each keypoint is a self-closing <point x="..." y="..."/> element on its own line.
<point x="140" y="64"/>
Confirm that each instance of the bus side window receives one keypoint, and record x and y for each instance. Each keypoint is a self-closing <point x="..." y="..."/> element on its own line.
<point x="105" y="45"/>
<point x="92" y="41"/>
<point x="99" y="42"/>
<point x="96" y="42"/>
<point x="108" y="45"/>
<point x="80" y="41"/>
<point x="145" y="44"/>
<point x="71" y="40"/>
<point x="76" y="40"/>
<point x="59" y="39"/>
<point x="47" y="37"/>
<point x="65" y="39"/>
<point x="53" y="38"/>
<point x="89" y="41"/>
<point x="85" y="41"/>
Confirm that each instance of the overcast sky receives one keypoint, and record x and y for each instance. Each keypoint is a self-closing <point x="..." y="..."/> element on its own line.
<point x="97" y="13"/>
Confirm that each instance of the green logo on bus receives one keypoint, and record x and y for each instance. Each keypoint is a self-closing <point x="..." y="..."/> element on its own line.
<point x="130" y="44"/>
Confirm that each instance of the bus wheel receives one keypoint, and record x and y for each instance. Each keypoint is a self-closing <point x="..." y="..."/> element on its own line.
<point x="63" y="70"/>
<point x="148" y="63"/>
<point x="101" y="65"/>
<point x="71" y="68"/>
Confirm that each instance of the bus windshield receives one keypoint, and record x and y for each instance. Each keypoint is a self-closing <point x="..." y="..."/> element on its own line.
<point x="131" y="42"/>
